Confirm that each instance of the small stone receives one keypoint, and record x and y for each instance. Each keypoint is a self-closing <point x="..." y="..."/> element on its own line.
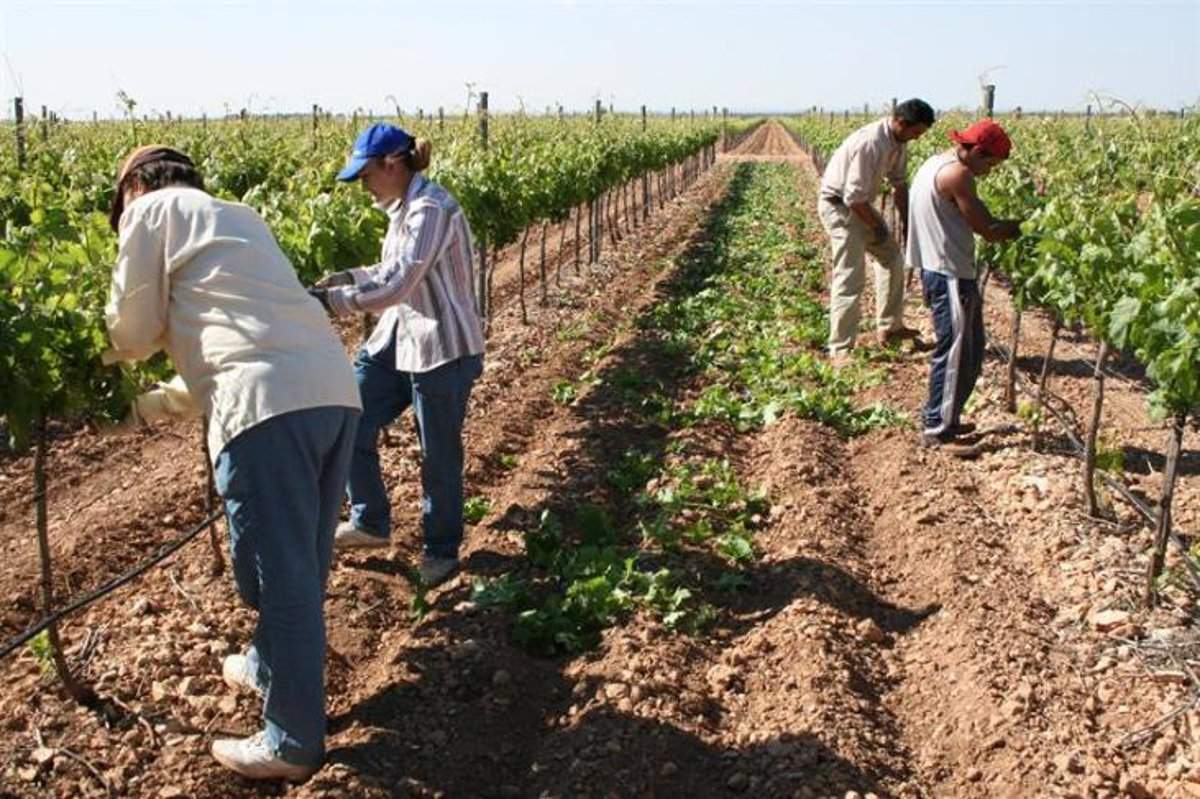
<point x="1135" y="789"/>
<point x="171" y="792"/>
<point x="1068" y="763"/>
<point x="738" y="782"/>
<point x="228" y="705"/>
<point x="501" y="678"/>
<point x="42" y="756"/>
<point x="189" y="686"/>
<point x="668" y="769"/>
<point x="974" y="775"/>
<point x="1107" y="620"/>
<point x="615" y="690"/>
<point x="159" y="691"/>
<point x="869" y="631"/>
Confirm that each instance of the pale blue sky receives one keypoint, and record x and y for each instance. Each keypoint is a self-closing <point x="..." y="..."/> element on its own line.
<point x="273" y="56"/>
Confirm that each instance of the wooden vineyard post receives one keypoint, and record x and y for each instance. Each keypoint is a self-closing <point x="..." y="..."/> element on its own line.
<point x="562" y="241"/>
<point x="1041" y="392"/>
<point x="1010" y="380"/>
<point x="45" y="125"/>
<point x="577" y="212"/>
<point x="591" y="204"/>
<point x="74" y="689"/>
<point x="521" y="278"/>
<point x="989" y="100"/>
<point x="315" y="117"/>
<point x="542" y="265"/>
<point x="483" y="300"/>
<point x="1087" y="121"/>
<point x="1162" y="529"/>
<point x="1093" y="429"/>
<point x="645" y="179"/>
<point x="19" y="116"/>
<point x="210" y="497"/>
<point x="441" y="119"/>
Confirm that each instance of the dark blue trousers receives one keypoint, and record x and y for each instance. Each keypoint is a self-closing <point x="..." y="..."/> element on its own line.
<point x="958" y="353"/>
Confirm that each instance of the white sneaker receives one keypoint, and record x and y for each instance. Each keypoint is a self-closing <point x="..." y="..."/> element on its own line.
<point x="435" y="571"/>
<point x="237" y="673"/>
<point x="251" y="758"/>
<point x="347" y="536"/>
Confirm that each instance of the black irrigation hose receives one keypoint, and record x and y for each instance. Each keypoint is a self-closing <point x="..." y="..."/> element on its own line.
<point x="16" y="642"/>
<point x="1146" y="512"/>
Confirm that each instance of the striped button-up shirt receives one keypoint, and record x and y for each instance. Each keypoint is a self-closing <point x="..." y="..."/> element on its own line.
<point x="860" y="163"/>
<point x="423" y="284"/>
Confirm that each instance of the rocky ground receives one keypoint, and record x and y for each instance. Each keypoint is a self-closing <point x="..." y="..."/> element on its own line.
<point x="915" y="624"/>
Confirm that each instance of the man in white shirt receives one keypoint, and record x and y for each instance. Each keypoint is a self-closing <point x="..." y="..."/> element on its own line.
<point x="849" y="189"/>
<point x="204" y="280"/>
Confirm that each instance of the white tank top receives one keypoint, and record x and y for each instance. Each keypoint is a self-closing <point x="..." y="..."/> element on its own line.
<point x="939" y="237"/>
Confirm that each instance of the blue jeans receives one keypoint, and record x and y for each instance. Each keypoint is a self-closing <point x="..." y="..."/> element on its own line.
<point x="958" y="353"/>
<point x="439" y="401"/>
<point x="282" y="484"/>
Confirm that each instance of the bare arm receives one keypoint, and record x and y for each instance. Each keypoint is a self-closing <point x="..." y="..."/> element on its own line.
<point x="958" y="182"/>
<point x="867" y="213"/>
<point x="900" y="190"/>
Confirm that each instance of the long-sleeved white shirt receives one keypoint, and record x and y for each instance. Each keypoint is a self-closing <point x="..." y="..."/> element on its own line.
<point x="861" y="162"/>
<point x="205" y="280"/>
<point x="424" y="284"/>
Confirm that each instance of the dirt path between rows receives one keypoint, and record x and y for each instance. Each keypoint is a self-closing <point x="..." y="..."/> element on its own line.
<point x="915" y="625"/>
<point x="1021" y="684"/>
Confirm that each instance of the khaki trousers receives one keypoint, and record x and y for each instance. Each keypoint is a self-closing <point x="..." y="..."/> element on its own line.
<point x="849" y="239"/>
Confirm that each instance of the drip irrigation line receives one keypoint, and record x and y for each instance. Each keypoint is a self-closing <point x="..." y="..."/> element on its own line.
<point x="1078" y="451"/>
<point x="167" y="551"/>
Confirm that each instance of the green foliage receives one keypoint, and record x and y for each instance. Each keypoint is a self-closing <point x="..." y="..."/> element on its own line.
<point x="56" y="248"/>
<point x="475" y="508"/>
<point x="39" y="647"/>
<point x="563" y="392"/>
<point x="1111" y="231"/>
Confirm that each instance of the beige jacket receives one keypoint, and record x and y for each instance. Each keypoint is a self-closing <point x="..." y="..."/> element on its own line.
<point x="204" y="280"/>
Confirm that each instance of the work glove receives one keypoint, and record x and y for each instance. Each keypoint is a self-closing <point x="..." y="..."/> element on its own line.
<point x="166" y="401"/>
<point x="334" y="279"/>
<point x="322" y="296"/>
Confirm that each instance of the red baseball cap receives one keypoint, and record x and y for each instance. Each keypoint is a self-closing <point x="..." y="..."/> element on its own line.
<point x="987" y="135"/>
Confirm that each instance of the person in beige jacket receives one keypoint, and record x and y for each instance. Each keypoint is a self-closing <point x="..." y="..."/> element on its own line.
<point x="849" y="188"/>
<point x="204" y="280"/>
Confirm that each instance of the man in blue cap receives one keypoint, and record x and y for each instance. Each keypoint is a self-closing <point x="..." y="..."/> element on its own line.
<point x="426" y="351"/>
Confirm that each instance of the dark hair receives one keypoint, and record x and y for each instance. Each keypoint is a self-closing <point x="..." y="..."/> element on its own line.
<point x="175" y="169"/>
<point x="161" y="174"/>
<point x="417" y="157"/>
<point x="914" y="112"/>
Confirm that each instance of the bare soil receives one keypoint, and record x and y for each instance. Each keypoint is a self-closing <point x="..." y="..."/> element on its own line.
<point x="916" y="625"/>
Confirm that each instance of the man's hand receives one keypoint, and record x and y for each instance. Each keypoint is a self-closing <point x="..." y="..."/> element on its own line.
<point x="1010" y="229"/>
<point x="880" y="234"/>
<point x="335" y="279"/>
<point x="322" y="296"/>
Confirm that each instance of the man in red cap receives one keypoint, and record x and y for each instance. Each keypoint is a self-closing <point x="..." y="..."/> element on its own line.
<point x="944" y="216"/>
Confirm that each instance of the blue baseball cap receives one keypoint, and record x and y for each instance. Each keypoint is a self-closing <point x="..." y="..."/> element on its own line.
<point x="379" y="139"/>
